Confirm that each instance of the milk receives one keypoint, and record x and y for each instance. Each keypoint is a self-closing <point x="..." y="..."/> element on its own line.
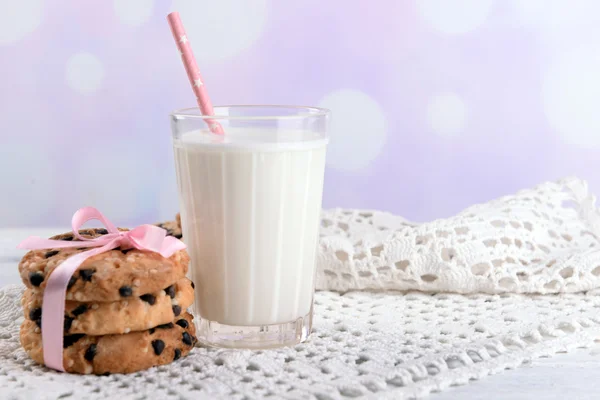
<point x="250" y="205"/>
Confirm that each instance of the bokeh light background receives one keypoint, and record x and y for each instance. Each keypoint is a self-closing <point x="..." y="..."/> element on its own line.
<point x="437" y="104"/>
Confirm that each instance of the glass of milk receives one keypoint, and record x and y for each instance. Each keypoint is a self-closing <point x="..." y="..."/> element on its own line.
<point x="250" y="203"/>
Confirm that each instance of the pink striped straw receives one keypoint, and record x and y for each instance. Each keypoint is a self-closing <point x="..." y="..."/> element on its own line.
<point x="193" y="72"/>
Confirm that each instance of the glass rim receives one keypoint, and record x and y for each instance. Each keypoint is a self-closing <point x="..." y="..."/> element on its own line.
<point x="309" y="112"/>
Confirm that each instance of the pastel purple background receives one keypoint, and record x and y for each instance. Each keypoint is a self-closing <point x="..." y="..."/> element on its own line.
<point x="437" y="104"/>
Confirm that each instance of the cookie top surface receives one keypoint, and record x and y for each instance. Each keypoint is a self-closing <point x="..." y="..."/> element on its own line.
<point x="173" y="228"/>
<point x="109" y="354"/>
<point x="111" y="276"/>
<point x="124" y="316"/>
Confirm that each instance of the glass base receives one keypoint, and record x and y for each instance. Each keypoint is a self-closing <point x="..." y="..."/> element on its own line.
<point x="214" y="334"/>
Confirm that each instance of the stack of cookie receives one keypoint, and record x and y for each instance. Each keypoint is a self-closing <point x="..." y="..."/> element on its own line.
<point x="125" y="309"/>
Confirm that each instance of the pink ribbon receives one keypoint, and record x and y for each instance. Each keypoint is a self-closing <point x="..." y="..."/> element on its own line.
<point x="144" y="237"/>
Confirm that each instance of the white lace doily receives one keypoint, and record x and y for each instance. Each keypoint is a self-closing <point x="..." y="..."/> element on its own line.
<point x="541" y="240"/>
<point x="365" y="345"/>
<point x="390" y="345"/>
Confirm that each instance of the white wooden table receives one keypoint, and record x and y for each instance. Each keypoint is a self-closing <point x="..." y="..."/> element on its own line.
<point x="566" y="376"/>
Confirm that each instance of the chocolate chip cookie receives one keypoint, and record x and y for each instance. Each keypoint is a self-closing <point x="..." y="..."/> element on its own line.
<point x="173" y="228"/>
<point x="124" y="316"/>
<point x="111" y="276"/>
<point x="118" y="354"/>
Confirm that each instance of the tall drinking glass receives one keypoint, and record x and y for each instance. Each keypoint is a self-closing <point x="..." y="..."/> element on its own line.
<point x="250" y="202"/>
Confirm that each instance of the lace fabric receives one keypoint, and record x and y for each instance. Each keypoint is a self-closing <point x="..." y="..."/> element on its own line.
<point x="541" y="240"/>
<point x="486" y="290"/>
<point x="364" y="345"/>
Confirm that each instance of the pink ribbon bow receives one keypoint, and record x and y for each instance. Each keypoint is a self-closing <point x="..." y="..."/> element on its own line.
<point x="144" y="237"/>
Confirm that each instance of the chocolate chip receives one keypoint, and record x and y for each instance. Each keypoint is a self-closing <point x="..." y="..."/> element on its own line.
<point x="36" y="278"/>
<point x="170" y="232"/>
<point x="182" y="323"/>
<point x="193" y="286"/>
<point x="71" y="282"/>
<point x="186" y="338"/>
<point x="106" y="374"/>
<point x="166" y="326"/>
<point x="67" y="238"/>
<point x="170" y="291"/>
<point x="51" y="253"/>
<point x="86" y="274"/>
<point x="68" y="322"/>
<point x="126" y="251"/>
<point x="90" y="353"/>
<point x="151" y="331"/>
<point x="82" y="248"/>
<point x="178" y="236"/>
<point x="148" y="298"/>
<point x="36" y="316"/>
<point x="160" y="225"/>
<point x="101" y="231"/>
<point x="79" y="310"/>
<point x="158" y="346"/>
<point x="70" y="339"/>
<point x="176" y="310"/>
<point x="35" y="313"/>
<point x="177" y="354"/>
<point x="125" y="291"/>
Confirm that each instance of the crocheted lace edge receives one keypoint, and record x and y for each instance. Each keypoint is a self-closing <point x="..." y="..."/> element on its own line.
<point x="492" y="357"/>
